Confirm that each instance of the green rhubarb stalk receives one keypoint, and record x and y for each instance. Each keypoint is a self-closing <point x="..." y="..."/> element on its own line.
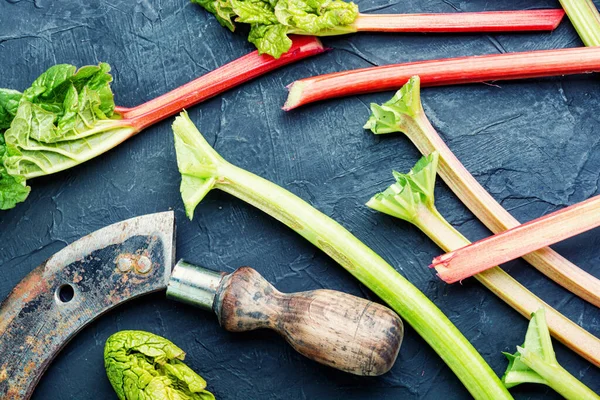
<point x="412" y="199"/>
<point x="203" y="169"/>
<point x="404" y="113"/>
<point x="535" y="362"/>
<point x="585" y="19"/>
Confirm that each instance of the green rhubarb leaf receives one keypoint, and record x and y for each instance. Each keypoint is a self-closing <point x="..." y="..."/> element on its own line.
<point x="9" y="102"/>
<point x="141" y="365"/>
<point x="270" y="39"/>
<point x="314" y="16"/>
<point x="537" y="341"/>
<point x="410" y="191"/>
<point x="197" y="162"/>
<point x="50" y="87"/>
<point x="273" y="20"/>
<point x="254" y="12"/>
<point x="392" y="115"/>
<point x="13" y="189"/>
<point x="66" y="103"/>
<point x="65" y="118"/>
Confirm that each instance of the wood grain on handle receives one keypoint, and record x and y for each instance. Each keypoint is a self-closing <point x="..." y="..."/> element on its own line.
<point x="333" y="328"/>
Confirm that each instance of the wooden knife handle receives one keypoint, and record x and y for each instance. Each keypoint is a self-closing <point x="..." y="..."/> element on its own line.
<point x="333" y="328"/>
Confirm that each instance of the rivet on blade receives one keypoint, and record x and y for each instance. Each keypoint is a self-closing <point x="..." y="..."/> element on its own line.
<point x="124" y="263"/>
<point x="143" y="265"/>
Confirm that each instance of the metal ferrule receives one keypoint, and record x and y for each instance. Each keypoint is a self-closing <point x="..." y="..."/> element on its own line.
<point x="194" y="285"/>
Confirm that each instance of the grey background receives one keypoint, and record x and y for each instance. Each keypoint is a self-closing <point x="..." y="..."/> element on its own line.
<point x="534" y="145"/>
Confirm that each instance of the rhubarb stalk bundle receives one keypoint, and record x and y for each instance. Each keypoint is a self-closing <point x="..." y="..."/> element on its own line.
<point x="404" y="113"/>
<point x="412" y="199"/>
<point x="203" y="169"/>
<point x="68" y="116"/>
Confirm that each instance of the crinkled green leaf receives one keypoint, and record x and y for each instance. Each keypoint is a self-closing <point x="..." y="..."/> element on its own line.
<point x="144" y="366"/>
<point x="537" y="341"/>
<point x="13" y="189"/>
<point x="66" y="103"/>
<point x="9" y="102"/>
<point x="65" y="118"/>
<point x="29" y="157"/>
<point x="391" y="116"/>
<point x="411" y="190"/>
<point x="221" y="9"/>
<point x="272" y="20"/>
<point x="270" y="39"/>
<point x="314" y="16"/>
<point x="254" y="12"/>
<point x="49" y="88"/>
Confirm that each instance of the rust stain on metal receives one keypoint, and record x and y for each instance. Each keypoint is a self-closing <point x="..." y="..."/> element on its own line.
<point x="3" y="373"/>
<point x="29" y="289"/>
<point x="30" y="367"/>
<point x="77" y="277"/>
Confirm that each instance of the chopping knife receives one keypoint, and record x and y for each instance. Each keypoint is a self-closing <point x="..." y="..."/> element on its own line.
<point x="134" y="257"/>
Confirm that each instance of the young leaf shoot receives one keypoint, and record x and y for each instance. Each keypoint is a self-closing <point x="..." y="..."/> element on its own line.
<point x="535" y="362"/>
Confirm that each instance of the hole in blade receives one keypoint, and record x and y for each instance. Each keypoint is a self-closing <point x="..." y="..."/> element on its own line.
<point x="65" y="293"/>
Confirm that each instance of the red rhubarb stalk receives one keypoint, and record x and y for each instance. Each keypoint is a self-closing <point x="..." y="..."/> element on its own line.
<point x="215" y="82"/>
<point x="451" y="71"/>
<point x="516" y="242"/>
<point x="489" y="21"/>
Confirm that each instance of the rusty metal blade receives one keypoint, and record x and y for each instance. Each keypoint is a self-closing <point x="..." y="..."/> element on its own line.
<point x="100" y="271"/>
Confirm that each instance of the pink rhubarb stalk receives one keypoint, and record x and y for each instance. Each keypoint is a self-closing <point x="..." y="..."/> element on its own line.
<point x="451" y="71"/>
<point x="215" y="82"/>
<point x="516" y="242"/>
<point x="489" y="21"/>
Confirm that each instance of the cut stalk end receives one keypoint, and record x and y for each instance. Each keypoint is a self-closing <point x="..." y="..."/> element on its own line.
<point x="294" y="96"/>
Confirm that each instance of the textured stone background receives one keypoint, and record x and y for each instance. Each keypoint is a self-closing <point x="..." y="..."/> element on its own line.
<point x="534" y="145"/>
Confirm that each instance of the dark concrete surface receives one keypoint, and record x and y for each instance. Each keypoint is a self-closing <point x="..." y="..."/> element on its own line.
<point x="534" y="145"/>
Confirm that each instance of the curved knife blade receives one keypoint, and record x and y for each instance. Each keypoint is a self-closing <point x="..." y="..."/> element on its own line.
<point x="73" y="287"/>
